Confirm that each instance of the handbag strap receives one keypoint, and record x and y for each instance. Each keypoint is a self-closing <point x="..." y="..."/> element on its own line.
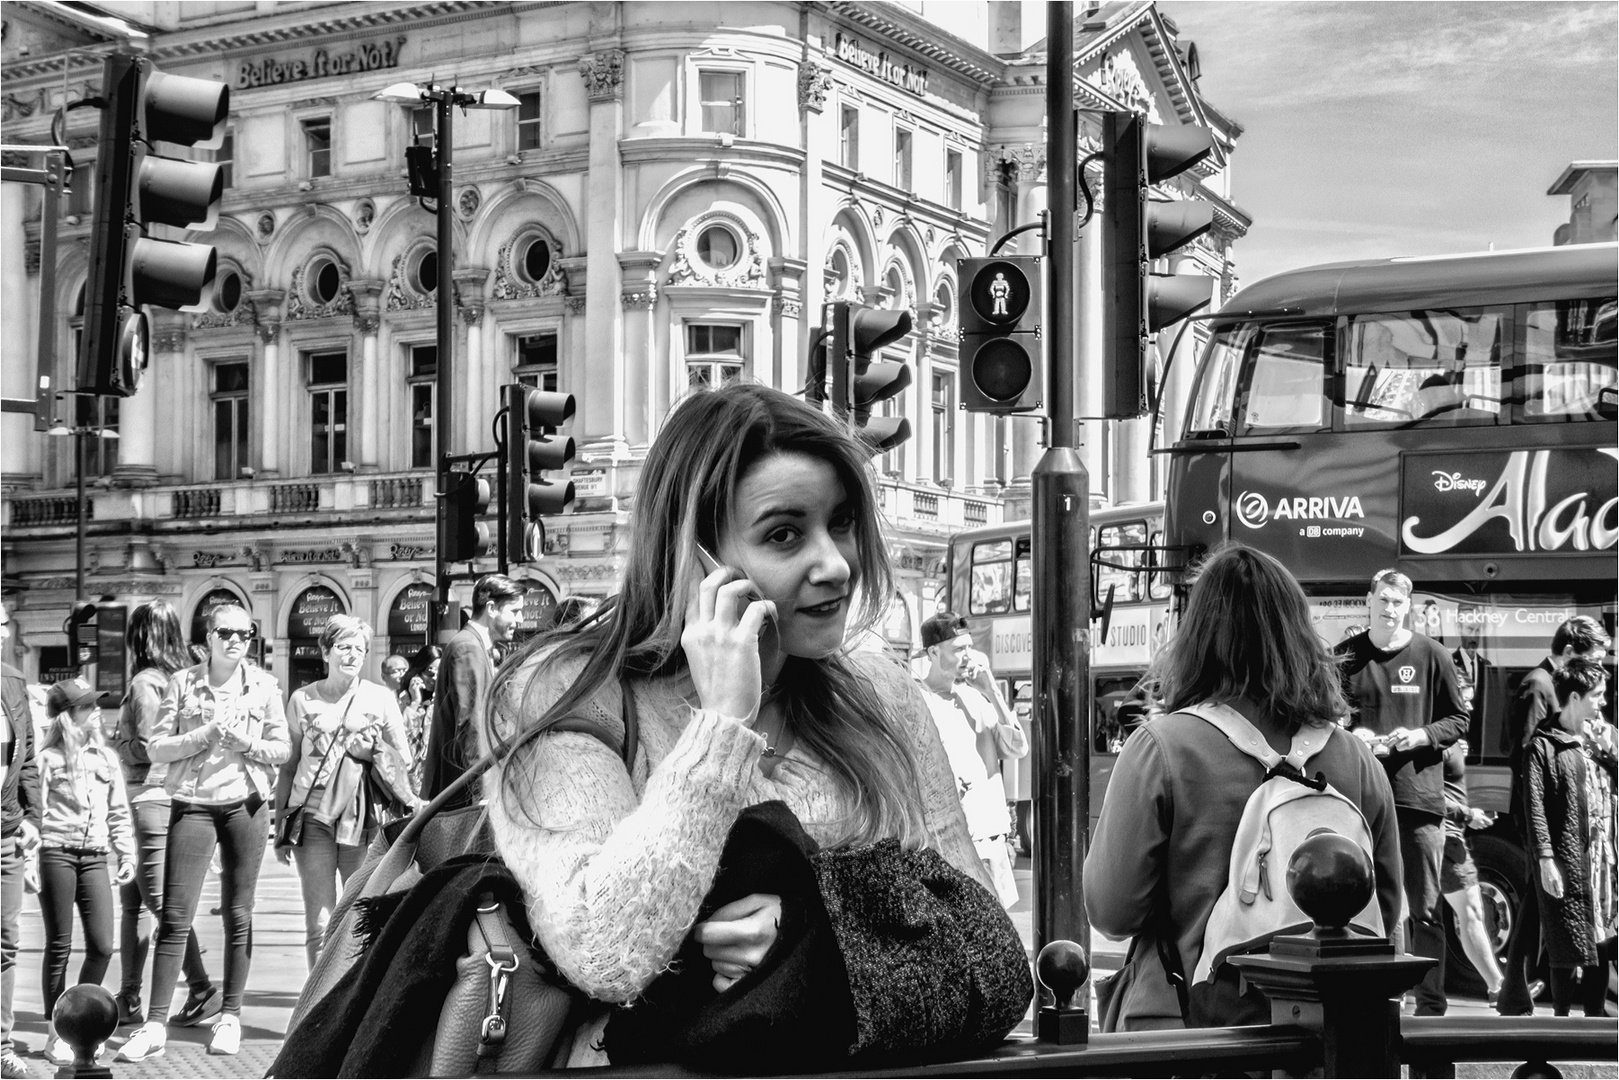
<point x="452" y="791"/>
<point x="320" y="770"/>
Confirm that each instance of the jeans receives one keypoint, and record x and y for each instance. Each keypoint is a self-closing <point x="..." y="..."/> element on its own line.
<point x="68" y="878"/>
<point x="320" y="860"/>
<point x="1422" y="846"/>
<point x="239" y="829"/>
<point x="145" y="893"/>
<point x="11" y="864"/>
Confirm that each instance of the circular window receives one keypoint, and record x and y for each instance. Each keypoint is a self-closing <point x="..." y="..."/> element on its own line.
<point x="717" y="246"/>
<point x="944" y="305"/>
<point x="228" y="292"/>
<point x="536" y="260"/>
<point x="896" y="287"/>
<point x="324" y="281"/>
<point x="427" y="272"/>
<point x="841" y="271"/>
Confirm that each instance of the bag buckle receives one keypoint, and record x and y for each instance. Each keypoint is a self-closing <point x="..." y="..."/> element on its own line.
<point x="492" y="1033"/>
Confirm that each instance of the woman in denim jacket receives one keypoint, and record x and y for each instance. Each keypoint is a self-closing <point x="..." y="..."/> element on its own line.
<point x="223" y="732"/>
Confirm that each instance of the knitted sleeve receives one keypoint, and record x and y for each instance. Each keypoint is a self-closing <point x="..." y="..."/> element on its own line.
<point x="614" y="879"/>
<point x="941" y="801"/>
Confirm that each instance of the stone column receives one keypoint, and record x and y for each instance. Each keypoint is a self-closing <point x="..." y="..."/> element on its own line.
<point x="19" y="447"/>
<point x="602" y="394"/>
<point x="371" y="393"/>
<point x="814" y="212"/>
<point x="477" y="379"/>
<point x="643" y="405"/>
<point x="787" y="280"/>
<point x="271" y="386"/>
<point x="137" y="415"/>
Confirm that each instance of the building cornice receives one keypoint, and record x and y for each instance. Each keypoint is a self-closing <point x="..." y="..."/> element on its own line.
<point x="900" y="26"/>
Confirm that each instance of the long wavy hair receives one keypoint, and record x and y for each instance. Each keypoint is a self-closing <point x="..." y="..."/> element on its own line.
<point x="154" y="639"/>
<point x="1246" y="633"/>
<point x="685" y="497"/>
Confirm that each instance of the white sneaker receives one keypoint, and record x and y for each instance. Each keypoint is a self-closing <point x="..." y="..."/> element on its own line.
<point x="57" y="1051"/>
<point x="227" y="1036"/>
<point x="149" y="1041"/>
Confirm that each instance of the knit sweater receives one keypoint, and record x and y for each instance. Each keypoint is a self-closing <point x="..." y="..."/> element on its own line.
<point x="619" y="862"/>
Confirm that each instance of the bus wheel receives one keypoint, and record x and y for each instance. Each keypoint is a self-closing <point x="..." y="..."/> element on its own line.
<point x="1501" y="883"/>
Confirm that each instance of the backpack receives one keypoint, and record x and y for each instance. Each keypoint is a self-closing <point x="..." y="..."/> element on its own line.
<point x="1284" y="810"/>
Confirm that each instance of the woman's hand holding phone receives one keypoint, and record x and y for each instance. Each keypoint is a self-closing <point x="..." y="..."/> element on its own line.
<point x="724" y="619"/>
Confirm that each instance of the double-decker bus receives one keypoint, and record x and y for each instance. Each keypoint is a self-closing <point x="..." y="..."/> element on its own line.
<point x="1453" y="417"/>
<point x="990" y="584"/>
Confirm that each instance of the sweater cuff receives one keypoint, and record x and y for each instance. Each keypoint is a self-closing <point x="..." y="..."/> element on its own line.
<point x="715" y="750"/>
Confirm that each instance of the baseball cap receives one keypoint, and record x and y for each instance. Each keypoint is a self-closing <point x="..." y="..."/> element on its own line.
<point x="69" y="694"/>
<point x="945" y="626"/>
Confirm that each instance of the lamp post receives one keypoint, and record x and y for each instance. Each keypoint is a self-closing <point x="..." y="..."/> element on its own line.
<point x="444" y="100"/>
<point x="80" y="433"/>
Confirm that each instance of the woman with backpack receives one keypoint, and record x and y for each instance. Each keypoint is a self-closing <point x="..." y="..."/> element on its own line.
<point x="750" y="557"/>
<point x="156" y="650"/>
<point x="86" y="816"/>
<point x="1244" y="658"/>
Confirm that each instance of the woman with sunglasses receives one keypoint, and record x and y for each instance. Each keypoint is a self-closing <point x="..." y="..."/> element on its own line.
<point x="222" y="731"/>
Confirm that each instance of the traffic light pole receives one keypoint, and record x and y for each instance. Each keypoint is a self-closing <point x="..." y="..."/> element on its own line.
<point x="1061" y="602"/>
<point x="448" y="621"/>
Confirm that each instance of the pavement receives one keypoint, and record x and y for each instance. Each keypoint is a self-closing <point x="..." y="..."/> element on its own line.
<point x="278" y="973"/>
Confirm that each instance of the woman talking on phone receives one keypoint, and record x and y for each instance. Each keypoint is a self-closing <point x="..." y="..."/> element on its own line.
<point x="222" y="732"/>
<point x="752" y="557"/>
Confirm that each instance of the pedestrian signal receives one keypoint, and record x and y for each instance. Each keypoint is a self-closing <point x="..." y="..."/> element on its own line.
<point x="1002" y="359"/>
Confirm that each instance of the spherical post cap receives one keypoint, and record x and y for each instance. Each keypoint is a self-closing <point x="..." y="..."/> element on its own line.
<point x="1062" y="968"/>
<point x="1330" y="878"/>
<point x="85" y="1016"/>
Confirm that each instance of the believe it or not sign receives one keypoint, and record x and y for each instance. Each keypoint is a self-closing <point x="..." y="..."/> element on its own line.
<point x="539" y="605"/>
<point x="319" y="64"/>
<point x="411" y="611"/>
<point x="310" y="613"/>
<point x="856" y="53"/>
<point x="205" y="606"/>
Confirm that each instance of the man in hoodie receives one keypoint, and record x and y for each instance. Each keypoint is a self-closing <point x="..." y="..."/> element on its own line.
<point x="19" y="831"/>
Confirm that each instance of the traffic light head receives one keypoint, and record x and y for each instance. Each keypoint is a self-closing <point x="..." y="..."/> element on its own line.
<point x="463" y="535"/>
<point x="1002" y="362"/>
<point x="1135" y="231"/>
<point x="860" y="381"/>
<point x="532" y="447"/>
<point x="80" y="628"/>
<point x="136" y="189"/>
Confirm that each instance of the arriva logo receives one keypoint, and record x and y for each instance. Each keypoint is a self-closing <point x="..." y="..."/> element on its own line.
<point x="1254" y="511"/>
<point x="1455" y="482"/>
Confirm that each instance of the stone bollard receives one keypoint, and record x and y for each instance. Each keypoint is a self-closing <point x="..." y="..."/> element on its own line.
<point x="85" y="1015"/>
<point x="1062" y="968"/>
<point x="1341" y="984"/>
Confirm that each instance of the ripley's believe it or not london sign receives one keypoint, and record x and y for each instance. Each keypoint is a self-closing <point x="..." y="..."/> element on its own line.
<point x="320" y="64"/>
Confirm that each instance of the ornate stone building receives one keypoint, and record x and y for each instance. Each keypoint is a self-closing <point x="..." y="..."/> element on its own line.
<point x="678" y="194"/>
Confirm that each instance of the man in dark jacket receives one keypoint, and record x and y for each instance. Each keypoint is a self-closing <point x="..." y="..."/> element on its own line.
<point x="464" y="674"/>
<point x="19" y="830"/>
<point x="1407" y="704"/>
<point x="1534" y="702"/>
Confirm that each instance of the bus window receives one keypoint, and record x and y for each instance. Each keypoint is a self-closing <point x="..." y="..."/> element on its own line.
<point x="1123" y="581"/>
<point x="1120" y="707"/>
<point x="990" y="591"/>
<point x="1437" y="367"/>
<point x="1157" y="581"/>
<point x="1286" y="377"/>
<point x="1566" y="358"/>
<point x="1210" y="415"/>
<point x="1025" y="574"/>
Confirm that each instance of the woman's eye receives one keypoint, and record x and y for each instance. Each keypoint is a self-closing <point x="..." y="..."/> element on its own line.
<point x="843" y="523"/>
<point x="782" y="536"/>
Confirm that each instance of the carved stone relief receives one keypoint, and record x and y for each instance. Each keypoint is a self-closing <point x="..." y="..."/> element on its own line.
<point x="510" y="285"/>
<point x="689" y="268"/>
<point x="603" y="73"/>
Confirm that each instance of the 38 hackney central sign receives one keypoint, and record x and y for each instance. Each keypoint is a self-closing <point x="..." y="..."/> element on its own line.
<point x="1556" y="500"/>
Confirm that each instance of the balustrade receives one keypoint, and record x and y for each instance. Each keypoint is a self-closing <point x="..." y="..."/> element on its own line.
<point x="196" y="502"/>
<point x="49" y="510"/>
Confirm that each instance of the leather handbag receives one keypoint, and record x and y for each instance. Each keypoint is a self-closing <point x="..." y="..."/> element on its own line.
<point x="289" y="830"/>
<point x="507" y="1009"/>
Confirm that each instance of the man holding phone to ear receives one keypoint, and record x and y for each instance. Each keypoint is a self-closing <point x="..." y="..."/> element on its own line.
<point x="978" y="732"/>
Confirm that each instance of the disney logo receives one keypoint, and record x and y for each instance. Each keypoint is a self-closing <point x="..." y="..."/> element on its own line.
<point x="1456" y="482"/>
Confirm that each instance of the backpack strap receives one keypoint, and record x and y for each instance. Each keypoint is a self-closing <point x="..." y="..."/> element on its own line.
<point x="1307" y="742"/>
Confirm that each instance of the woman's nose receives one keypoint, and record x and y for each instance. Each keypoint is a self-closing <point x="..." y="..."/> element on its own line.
<point x="832" y="563"/>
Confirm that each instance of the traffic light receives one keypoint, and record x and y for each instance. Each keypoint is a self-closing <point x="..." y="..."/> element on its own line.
<point x="815" y="366"/>
<point x="81" y="632"/>
<point x="135" y="190"/>
<point x="858" y="381"/>
<point x="111" y="654"/>
<point x="532" y="446"/>
<point x="1002" y="363"/>
<point x="463" y="536"/>
<point x="1135" y="231"/>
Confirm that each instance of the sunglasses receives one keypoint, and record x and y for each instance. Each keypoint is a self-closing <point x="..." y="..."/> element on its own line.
<point x="231" y="633"/>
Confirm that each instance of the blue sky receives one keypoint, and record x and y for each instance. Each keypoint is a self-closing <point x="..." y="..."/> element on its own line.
<point x="1379" y="129"/>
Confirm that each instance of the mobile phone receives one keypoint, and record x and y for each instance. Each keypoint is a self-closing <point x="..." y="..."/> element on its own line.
<point x="711" y="564"/>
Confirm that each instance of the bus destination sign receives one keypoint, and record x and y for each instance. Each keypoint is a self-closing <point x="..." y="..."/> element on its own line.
<point x="1557" y="501"/>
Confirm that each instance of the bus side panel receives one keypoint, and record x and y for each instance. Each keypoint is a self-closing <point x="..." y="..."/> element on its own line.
<point x="1199" y="516"/>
